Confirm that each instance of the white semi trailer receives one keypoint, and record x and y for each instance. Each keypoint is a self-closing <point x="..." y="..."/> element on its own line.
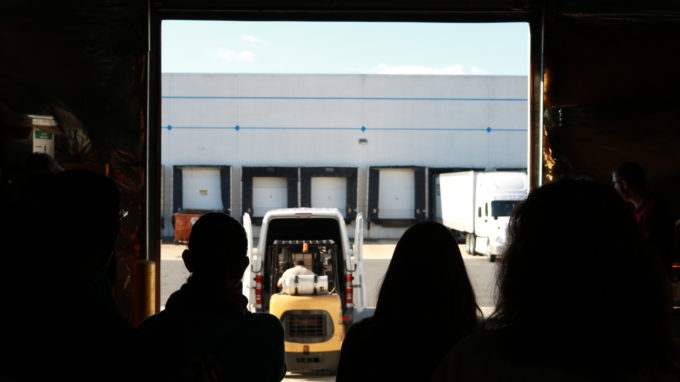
<point x="478" y="205"/>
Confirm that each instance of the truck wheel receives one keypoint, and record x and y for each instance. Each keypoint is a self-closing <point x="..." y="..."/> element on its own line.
<point x="470" y="244"/>
<point x="492" y="258"/>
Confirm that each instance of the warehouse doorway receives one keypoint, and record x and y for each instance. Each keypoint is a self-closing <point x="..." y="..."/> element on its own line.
<point x="360" y="116"/>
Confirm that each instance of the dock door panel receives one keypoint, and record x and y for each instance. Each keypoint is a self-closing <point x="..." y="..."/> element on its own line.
<point x="201" y="188"/>
<point x="330" y="193"/>
<point x="330" y="187"/>
<point x="269" y="193"/>
<point x="396" y="195"/>
<point x="266" y="188"/>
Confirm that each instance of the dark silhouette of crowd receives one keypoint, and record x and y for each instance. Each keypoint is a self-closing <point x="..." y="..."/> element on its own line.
<point x="57" y="323"/>
<point x="583" y="295"/>
<point x="580" y="297"/>
<point x="650" y="211"/>
<point x="425" y="305"/>
<point x="205" y="332"/>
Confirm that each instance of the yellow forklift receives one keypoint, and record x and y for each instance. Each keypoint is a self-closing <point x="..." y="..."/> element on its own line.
<point x="315" y="309"/>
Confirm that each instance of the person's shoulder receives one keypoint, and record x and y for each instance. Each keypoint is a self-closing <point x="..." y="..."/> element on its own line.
<point x="169" y="320"/>
<point x="367" y="324"/>
<point x="153" y="320"/>
<point x="362" y="330"/>
<point x="154" y="323"/>
<point x="471" y="356"/>
<point x="265" y="321"/>
<point x="266" y="318"/>
<point x="265" y="332"/>
<point x="485" y="341"/>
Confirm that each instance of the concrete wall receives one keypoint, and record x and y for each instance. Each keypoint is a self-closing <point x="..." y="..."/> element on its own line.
<point x="318" y="120"/>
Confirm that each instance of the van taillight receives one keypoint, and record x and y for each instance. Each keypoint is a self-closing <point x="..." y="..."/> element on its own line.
<point x="258" y="291"/>
<point x="349" y="292"/>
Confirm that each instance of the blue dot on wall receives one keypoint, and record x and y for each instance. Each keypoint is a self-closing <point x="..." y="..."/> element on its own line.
<point x="363" y="128"/>
<point x="169" y="127"/>
<point x="488" y="129"/>
<point x="237" y="127"/>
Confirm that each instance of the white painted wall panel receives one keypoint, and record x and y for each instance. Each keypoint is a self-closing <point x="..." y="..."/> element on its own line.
<point x="316" y="120"/>
<point x="298" y="85"/>
<point x="201" y="188"/>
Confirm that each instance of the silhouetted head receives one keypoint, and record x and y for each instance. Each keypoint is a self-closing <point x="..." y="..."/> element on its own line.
<point x="577" y="284"/>
<point x="217" y="248"/>
<point x="300" y="262"/>
<point x="38" y="163"/>
<point x="426" y="281"/>
<point x="77" y="223"/>
<point x="38" y="168"/>
<point x="629" y="178"/>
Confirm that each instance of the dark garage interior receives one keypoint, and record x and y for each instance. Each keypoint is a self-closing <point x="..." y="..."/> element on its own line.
<point x="603" y="90"/>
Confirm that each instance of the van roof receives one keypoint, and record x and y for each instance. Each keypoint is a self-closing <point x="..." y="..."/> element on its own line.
<point x="303" y="211"/>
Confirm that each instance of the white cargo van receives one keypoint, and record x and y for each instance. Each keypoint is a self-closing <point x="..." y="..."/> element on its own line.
<point x="315" y="311"/>
<point x="478" y="204"/>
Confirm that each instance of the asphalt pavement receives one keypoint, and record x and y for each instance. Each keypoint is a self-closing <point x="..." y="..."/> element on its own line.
<point x="376" y="259"/>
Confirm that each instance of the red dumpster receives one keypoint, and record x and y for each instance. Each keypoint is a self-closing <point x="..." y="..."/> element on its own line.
<point x="183" y="224"/>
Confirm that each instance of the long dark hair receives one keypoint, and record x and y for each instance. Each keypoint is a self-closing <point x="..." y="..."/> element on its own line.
<point x="577" y="286"/>
<point x="426" y="282"/>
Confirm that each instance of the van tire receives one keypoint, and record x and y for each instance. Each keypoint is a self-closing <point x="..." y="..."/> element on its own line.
<point x="492" y="258"/>
<point x="470" y="244"/>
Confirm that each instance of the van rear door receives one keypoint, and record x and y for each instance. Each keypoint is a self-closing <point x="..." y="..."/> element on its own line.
<point x="248" y="276"/>
<point x="358" y="290"/>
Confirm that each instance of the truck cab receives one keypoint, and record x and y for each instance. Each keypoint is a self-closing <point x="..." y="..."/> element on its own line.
<point x="497" y="193"/>
<point x="315" y="310"/>
<point x="478" y="205"/>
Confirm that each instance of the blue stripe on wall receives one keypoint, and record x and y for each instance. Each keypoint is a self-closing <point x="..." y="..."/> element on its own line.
<point x="350" y="98"/>
<point x="238" y="128"/>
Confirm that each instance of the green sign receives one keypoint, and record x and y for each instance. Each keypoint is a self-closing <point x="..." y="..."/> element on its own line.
<point x="42" y="135"/>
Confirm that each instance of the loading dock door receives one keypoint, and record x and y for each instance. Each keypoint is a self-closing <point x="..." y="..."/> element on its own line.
<point x="201" y="188"/>
<point x="269" y="193"/>
<point x="396" y="195"/>
<point x="330" y="192"/>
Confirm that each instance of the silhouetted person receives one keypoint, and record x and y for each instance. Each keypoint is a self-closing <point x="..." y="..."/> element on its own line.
<point x="39" y="163"/>
<point x="579" y="297"/>
<point x="28" y="188"/>
<point x="298" y="269"/>
<point x="57" y="325"/>
<point x="37" y="168"/>
<point x="651" y="213"/>
<point x="425" y="305"/>
<point x="205" y="332"/>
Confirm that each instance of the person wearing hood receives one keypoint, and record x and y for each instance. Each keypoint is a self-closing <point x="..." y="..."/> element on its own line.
<point x="205" y="332"/>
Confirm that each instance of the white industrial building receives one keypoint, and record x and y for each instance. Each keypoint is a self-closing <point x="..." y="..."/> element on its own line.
<point x="367" y="143"/>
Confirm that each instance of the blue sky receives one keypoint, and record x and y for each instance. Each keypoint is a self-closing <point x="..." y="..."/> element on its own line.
<point x="344" y="47"/>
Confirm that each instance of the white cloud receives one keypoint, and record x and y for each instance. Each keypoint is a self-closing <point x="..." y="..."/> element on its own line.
<point x="417" y="69"/>
<point x="252" y="39"/>
<point x="230" y="55"/>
